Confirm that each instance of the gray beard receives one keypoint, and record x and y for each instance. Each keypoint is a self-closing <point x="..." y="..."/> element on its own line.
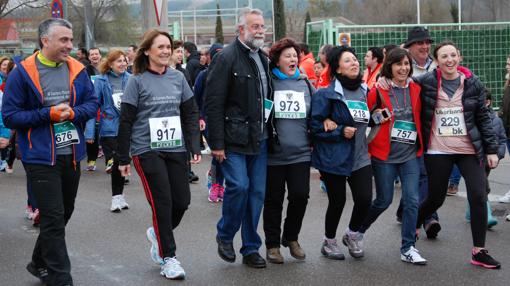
<point x="254" y="43"/>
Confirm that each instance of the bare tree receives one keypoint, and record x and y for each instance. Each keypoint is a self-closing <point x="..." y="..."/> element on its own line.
<point x="9" y="6"/>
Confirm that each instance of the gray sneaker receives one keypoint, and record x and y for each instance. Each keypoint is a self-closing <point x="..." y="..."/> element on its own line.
<point x="355" y="244"/>
<point x="331" y="250"/>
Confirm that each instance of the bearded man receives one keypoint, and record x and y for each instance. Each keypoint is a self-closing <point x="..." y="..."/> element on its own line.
<point x="237" y="106"/>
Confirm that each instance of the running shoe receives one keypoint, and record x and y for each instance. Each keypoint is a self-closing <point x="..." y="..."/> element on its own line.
<point x="9" y="170"/>
<point x="206" y="151"/>
<point x="331" y="250"/>
<point x="29" y="213"/>
<point x="91" y="166"/>
<point x="354" y="243"/>
<point x="192" y="177"/>
<point x="323" y="187"/>
<point x="483" y="259"/>
<point x="213" y="194"/>
<point x="122" y="202"/>
<point x="505" y="198"/>
<point x="3" y="165"/>
<point x="39" y="272"/>
<point x="413" y="256"/>
<point x="221" y="192"/>
<point x="109" y="166"/>
<point x="100" y="153"/>
<point x="116" y="206"/>
<point x="172" y="269"/>
<point x="432" y="229"/>
<point x="37" y="218"/>
<point x="154" y="251"/>
<point x="208" y="175"/>
<point x="508" y="217"/>
<point x="452" y="190"/>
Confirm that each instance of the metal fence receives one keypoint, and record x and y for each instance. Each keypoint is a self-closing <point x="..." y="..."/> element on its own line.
<point x="484" y="46"/>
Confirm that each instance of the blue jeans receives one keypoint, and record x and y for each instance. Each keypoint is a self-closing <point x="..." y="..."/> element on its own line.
<point x="455" y="176"/>
<point x="245" y="178"/>
<point x="424" y="192"/>
<point x="409" y="173"/>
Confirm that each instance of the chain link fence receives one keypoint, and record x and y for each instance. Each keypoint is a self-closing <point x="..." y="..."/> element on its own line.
<point x="484" y="46"/>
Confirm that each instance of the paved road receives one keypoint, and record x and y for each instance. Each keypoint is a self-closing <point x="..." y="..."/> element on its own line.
<point x="111" y="249"/>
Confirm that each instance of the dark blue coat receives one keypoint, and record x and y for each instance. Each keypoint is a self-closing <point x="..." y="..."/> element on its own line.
<point x="332" y="152"/>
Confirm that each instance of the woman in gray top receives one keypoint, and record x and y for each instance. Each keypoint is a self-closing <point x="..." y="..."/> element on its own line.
<point x="289" y="151"/>
<point x="158" y="126"/>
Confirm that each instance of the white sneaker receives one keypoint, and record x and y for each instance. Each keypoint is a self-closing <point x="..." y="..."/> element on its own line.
<point x="154" y="251"/>
<point x="413" y="256"/>
<point x="122" y="202"/>
<point x="505" y="199"/>
<point x="206" y="151"/>
<point x="172" y="269"/>
<point x="508" y="217"/>
<point x="116" y="207"/>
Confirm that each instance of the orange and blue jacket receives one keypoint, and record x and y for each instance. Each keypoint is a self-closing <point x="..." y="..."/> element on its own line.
<point x="23" y="110"/>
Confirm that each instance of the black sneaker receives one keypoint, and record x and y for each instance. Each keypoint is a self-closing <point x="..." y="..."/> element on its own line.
<point x="432" y="229"/>
<point x="41" y="272"/>
<point x="192" y="177"/>
<point x="482" y="258"/>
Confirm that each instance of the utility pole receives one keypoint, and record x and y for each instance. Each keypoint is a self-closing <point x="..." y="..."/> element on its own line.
<point x="151" y="11"/>
<point x="89" y="25"/>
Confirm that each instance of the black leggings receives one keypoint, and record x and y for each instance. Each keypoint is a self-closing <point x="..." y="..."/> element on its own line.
<point x="439" y="168"/>
<point x="360" y="183"/>
<point x="93" y="149"/>
<point x="110" y="151"/>
<point x="297" y="178"/>
<point x="164" y="178"/>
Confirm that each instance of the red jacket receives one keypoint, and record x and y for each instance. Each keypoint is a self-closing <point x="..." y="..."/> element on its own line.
<point x="306" y="66"/>
<point x="380" y="145"/>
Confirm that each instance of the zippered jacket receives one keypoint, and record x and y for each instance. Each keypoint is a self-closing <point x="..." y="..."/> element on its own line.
<point x="23" y="110"/>
<point x="109" y="114"/>
<point x="233" y="101"/>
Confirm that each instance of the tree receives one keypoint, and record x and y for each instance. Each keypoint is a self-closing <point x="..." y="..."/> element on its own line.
<point x="9" y="6"/>
<point x="219" y="26"/>
<point x="110" y="21"/>
<point x="307" y="20"/>
<point x="454" y="11"/>
<point x="279" y="19"/>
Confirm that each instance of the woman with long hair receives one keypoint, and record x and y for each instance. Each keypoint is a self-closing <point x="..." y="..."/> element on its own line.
<point x="109" y="87"/>
<point x="158" y="126"/>
<point x="457" y="129"/>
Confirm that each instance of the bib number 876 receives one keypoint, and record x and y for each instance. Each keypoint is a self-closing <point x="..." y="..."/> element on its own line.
<point x="287" y="105"/>
<point x="62" y="137"/>
<point x="166" y="134"/>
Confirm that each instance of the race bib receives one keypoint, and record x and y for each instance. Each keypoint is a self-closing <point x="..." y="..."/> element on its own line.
<point x="450" y="122"/>
<point x="359" y="111"/>
<point x="65" y="134"/>
<point x="117" y="100"/>
<point x="166" y="132"/>
<point x="404" y="132"/>
<point x="289" y="104"/>
<point x="268" y="107"/>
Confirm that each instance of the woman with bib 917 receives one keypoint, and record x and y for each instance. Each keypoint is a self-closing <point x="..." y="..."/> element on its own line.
<point x="159" y="123"/>
<point x="338" y="124"/>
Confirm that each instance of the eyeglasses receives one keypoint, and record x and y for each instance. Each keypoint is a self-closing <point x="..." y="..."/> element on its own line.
<point x="257" y="27"/>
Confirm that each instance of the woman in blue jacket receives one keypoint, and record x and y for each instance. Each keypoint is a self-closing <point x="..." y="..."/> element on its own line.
<point x="339" y="120"/>
<point x="109" y="87"/>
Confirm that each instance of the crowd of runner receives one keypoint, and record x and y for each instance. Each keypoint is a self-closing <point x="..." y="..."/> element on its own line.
<point x="415" y="117"/>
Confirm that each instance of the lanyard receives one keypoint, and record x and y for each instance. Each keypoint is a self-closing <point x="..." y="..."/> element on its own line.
<point x="396" y="98"/>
